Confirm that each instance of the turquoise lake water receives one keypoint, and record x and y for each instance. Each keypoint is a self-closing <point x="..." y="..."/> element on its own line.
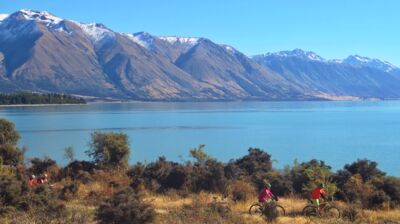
<point x="336" y="132"/>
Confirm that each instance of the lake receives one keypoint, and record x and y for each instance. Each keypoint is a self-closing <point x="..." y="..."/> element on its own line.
<point x="336" y="132"/>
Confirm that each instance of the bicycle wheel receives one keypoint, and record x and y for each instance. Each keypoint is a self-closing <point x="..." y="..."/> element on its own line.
<point x="310" y="210"/>
<point x="280" y="209"/>
<point x="331" y="212"/>
<point x="255" y="209"/>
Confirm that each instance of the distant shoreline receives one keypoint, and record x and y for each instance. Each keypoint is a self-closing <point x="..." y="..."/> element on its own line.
<point x="41" y="105"/>
<point x="150" y="101"/>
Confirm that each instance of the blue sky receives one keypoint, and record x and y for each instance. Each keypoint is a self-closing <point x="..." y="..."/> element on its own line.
<point x="333" y="29"/>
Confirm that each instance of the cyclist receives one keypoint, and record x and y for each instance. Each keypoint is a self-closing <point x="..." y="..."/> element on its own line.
<point x="42" y="179"/>
<point x="266" y="194"/>
<point x="32" y="181"/>
<point x="319" y="193"/>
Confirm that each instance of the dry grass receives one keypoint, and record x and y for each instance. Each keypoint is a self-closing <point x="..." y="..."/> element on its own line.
<point x="164" y="204"/>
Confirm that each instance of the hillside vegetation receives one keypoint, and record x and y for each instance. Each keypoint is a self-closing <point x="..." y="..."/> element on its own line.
<point x="38" y="98"/>
<point x="106" y="189"/>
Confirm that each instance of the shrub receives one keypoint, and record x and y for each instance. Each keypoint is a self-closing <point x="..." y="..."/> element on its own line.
<point x="257" y="161"/>
<point x="46" y="165"/>
<point x="109" y="150"/>
<point x="11" y="194"/>
<point x="350" y="213"/>
<point x="17" y="196"/>
<point x="281" y="182"/>
<point x="11" y="155"/>
<point x="308" y="175"/>
<point x="242" y="190"/>
<point x="176" y="179"/>
<point x="69" y="191"/>
<point x="378" y="199"/>
<point x="209" y="177"/>
<point x="135" y="173"/>
<point x="125" y="207"/>
<point x="391" y="186"/>
<point x="79" y="170"/>
<point x="8" y="133"/>
<point x="366" y="168"/>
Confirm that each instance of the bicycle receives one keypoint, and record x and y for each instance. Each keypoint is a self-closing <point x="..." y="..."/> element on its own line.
<point x="261" y="208"/>
<point x="326" y="210"/>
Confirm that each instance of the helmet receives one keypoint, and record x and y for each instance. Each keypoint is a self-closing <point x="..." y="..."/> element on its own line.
<point x="267" y="184"/>
<point x="45" y="175"/>
<point x="322" y="185"/>
<point x="33" y="176"/>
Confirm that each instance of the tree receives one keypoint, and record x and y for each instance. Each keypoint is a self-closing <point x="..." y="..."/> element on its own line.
<point x="8" y="133"/>
<point x="8" y="140"/>
<point x="200" y="155"/>
<point x="69" y="154"/>
<point x="109" y="150"/>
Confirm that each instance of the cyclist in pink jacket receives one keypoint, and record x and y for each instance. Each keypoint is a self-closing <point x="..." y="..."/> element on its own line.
<point x="266" y="194"/>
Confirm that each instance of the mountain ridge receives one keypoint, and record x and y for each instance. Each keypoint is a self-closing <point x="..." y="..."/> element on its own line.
<point x="42" y="52"/>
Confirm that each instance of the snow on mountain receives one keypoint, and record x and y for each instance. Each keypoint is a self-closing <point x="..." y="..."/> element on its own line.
<point x="144" y="39"/>
<point x="19" y="19"/>
<point x="180" y="40"/>
<point x="298" y="53"/>
<point x="357" y="60"/>
<point x="96" y="32"/>
<point x="3" y="16"/>
<point x="43" y="16"/>
<point x="229" y="48"/>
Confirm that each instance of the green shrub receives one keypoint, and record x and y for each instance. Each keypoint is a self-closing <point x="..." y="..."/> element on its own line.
<point x="308" y="175"/>
<point x="109" y="150"/>
<point x="8" y="133"/>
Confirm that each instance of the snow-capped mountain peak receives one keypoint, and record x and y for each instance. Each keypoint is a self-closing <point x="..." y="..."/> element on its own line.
<point x="21" y="22"/>
<point x="144" y="39"/>
<point x="180" y="40"/>
<point x="358" y="60"/>
<point x="298" y="53"/>
<point x="40" y="16"/>
<point x="96" y="31"/>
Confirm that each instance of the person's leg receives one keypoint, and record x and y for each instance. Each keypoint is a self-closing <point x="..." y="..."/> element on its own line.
<point x="317" y="203"/>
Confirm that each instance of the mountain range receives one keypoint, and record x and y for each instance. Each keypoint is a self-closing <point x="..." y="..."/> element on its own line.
<point x="41" y="52"/>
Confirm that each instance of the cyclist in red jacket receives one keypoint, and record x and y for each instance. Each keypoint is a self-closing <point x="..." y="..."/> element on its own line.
<point x="319" y="193"/>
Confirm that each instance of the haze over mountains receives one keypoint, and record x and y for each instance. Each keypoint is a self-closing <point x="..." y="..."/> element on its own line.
<point x="43" y="53"/>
